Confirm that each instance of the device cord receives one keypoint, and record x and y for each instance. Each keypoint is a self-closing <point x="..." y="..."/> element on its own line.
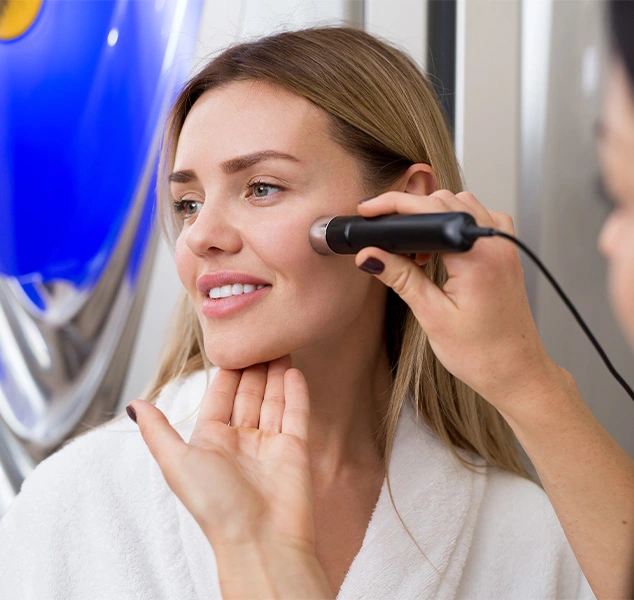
<point x="477" y="232"/>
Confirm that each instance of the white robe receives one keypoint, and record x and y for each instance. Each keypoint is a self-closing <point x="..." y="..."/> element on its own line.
<point x="96" y="520"/>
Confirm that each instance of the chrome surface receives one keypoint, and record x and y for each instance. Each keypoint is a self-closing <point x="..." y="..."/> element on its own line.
<point x="317" y="235"/>
<point x="62" y="370"/>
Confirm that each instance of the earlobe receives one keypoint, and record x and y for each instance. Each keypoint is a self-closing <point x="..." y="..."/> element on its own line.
<point x="419" y="179"/>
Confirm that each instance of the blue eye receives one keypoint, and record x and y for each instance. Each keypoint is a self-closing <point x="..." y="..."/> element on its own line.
<point x="187" y="208"/>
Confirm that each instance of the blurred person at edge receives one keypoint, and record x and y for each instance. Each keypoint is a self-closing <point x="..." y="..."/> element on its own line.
<point x="283" y="467"/>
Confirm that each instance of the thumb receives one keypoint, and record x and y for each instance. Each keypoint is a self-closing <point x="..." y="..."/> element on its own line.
<point x="407" y="279"/>
<point x="164" y="442"/>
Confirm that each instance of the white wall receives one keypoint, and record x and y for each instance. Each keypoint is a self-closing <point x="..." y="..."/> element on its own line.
<point x="488" y="100"/>
<point x="401" y="22"/>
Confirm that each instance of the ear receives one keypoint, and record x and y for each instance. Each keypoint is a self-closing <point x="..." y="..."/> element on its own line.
<point x="418" y="179"/>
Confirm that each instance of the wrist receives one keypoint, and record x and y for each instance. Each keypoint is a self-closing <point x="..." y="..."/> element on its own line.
<point x="535" y="401"/>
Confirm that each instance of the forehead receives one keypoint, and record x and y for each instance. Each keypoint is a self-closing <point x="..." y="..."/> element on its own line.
<point x="243" y="117"/>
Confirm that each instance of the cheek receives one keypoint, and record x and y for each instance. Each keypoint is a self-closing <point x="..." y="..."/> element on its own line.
<point x="327" y="291"/>
<point x="308" y="277"/>
<point x="183" y="258"/>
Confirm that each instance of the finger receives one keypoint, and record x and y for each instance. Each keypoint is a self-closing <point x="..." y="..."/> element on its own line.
<point x="217" y="404"/>
<point x="468" y="203"/>
<point x="297" y="409"/>
<point x="474" y="207"/>
<point x="422" y="259"/>
<point x="503" y="222"/>
<point x="409" y="281"/>
<point x="164" y="442"/>
<point x="400" y="202"/>
<point x="274" y="401"/>
<point x="248" y="399"/>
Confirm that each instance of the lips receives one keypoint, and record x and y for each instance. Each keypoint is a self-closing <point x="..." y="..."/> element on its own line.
<point x="207" y="281"/>
<point x="225" y="307"/>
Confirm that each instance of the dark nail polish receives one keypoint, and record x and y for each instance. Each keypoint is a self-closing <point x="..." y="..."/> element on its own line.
<point x="365" y="200"/>
<point x="131" y="412"/>
<point x="372" y="265"/>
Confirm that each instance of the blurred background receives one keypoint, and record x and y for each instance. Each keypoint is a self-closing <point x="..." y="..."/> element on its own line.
<point x="87" y="285"/>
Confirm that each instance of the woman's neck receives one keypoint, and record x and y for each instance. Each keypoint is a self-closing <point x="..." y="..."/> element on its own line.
<point x="350" y="388"/>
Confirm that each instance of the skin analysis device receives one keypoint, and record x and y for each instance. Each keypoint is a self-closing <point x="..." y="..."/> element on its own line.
<point x="427" y="234"/>
<point x="399" y="234"/>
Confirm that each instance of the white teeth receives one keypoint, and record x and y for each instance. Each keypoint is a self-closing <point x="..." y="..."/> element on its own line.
<point x="235" y="289"/>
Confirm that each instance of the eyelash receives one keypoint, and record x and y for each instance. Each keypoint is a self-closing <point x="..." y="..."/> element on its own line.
<point x="178" y="206"/>
<point x="251" y="187"/>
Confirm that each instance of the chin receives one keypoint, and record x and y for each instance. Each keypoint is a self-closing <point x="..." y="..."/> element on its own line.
<point x="235" y="359"/>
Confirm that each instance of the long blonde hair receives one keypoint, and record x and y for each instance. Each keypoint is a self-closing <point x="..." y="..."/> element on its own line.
<point x="384" y="113"/>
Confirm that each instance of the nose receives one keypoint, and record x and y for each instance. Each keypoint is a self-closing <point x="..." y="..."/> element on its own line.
<point x="213" y="231"/>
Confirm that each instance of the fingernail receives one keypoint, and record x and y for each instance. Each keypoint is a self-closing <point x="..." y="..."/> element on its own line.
<point x="366" y="199"/>
<point x="372" y="265"/>
<point x="131" y="412"/>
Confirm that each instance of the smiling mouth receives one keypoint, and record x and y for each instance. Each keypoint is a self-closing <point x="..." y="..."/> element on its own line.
<point x="236" y="289"/>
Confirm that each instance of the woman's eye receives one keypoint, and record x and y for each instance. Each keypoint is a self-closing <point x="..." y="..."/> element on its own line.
<point x="260" y="189"/>
<point x="187" y="208"/>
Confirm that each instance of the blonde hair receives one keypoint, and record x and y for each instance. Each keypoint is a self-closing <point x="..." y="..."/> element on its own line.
<point x="384" y="113"/>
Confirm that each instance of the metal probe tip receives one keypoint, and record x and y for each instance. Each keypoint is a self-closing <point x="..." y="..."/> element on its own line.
<point x="317" y="235"/>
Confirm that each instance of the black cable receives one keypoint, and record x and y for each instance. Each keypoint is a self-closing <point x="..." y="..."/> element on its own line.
<point x="488" y="232"/>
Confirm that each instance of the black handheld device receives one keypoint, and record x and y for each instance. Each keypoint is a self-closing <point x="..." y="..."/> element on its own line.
<point x="399" y="234"/>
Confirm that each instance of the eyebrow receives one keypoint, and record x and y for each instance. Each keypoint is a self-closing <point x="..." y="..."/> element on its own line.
<point x="234" y="165"/>
<point x="181" y="177"/>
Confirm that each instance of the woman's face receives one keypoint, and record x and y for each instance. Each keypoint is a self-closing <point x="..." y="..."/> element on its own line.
<point x="254" y="168"/>
<point x="617" y="157"/>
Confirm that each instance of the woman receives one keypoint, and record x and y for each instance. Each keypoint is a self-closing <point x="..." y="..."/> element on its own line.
<point x="404" y="482"/>
<point x="480" y="330"/>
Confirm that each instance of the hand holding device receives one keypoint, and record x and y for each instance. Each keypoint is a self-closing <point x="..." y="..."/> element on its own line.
<point x="482" y="307"/>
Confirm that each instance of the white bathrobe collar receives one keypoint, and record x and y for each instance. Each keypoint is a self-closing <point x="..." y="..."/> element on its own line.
<point x="439" y="500"/>
<point x="437" y="497"/>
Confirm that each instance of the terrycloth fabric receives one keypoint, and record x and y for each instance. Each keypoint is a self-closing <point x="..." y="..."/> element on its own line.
<point x="97" y="521"/>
